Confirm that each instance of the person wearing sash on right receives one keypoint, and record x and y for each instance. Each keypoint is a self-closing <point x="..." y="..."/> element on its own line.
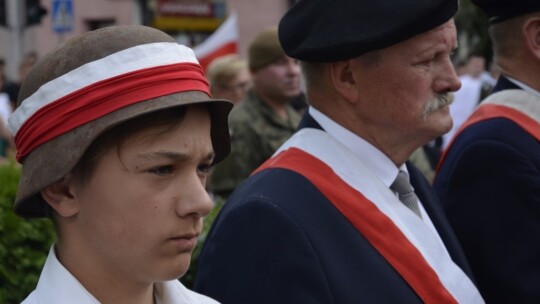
<point x="489" y="177"/>
<point x="332" y="216"/>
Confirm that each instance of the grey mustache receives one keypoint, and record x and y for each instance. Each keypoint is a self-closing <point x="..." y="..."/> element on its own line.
<point x="438" y="102"/>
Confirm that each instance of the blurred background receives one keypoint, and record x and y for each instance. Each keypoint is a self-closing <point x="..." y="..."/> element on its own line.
<point x="31" y="28"/>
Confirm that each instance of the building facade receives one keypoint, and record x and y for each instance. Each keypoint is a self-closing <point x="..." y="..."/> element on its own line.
<point x="188" y="21"/>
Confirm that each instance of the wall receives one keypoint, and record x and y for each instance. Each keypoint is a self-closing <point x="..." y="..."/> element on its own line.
<point x="42" y="39"/>
<point x="253" y="16"/>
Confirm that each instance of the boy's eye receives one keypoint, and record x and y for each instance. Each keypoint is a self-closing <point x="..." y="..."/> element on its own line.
<point x="161" y="171"/>
<point x="205" y="168"/>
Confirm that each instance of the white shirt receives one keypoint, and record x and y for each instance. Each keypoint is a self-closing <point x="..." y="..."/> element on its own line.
<point x="523" y="86"/>
<point x="5" y="108"/>
<point x="466" y="100"/>
<point x="375" y="160"/>
<point x="57" y="285"/>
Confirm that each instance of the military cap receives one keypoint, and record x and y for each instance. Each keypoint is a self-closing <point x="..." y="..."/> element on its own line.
<point x="92" y="83"/>
<point x="264" y="49"/>
<point x="333" y="30"/>
<point x="500" y="10"/>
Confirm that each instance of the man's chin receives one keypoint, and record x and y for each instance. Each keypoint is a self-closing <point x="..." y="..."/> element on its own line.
<point x="443" y="111"/>
<point x="440" y="120"/>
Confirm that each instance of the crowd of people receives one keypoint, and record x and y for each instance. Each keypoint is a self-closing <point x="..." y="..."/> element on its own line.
<point x="356" y="159"/>
<point x="262" y="122"/>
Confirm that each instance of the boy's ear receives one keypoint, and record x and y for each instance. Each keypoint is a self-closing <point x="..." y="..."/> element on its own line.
<point x="59" y="195"/>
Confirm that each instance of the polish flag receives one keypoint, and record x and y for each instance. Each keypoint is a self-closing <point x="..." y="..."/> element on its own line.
<point x="222" y="42"/>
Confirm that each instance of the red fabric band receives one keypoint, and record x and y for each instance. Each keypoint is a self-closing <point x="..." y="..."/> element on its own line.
<point x="375" y="226"/>
<point x="105" y="97"/>
<point x="490" y="111"/>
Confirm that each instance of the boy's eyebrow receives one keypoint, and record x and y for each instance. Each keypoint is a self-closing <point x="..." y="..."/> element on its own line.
<point x="210" y="156"/>
<point x="170" y="155"/>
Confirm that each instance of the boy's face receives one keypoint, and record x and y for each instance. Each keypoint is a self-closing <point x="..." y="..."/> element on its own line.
<point x="141" y="210"/>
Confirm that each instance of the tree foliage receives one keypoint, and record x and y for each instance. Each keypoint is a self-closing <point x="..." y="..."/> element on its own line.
<point x="24" y="244"/>
<point x="472" y="26"/>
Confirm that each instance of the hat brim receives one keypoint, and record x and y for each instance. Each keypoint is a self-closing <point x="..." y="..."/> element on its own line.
<point x="54" y="159"/>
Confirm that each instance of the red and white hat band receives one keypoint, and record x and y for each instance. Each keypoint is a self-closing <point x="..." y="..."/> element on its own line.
<point x="103" y="86"/>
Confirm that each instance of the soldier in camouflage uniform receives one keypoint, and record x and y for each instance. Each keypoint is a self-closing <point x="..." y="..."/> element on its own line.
<point x="265" y="119"/>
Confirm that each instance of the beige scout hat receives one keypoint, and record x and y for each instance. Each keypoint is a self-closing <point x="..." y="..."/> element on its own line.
<point x="92" y="83"/>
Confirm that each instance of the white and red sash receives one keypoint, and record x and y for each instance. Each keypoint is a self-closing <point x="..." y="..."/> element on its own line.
<point x="401" y="237"/>
<point x="519" y="106"/>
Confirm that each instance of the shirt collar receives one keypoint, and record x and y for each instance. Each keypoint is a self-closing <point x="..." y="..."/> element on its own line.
<point x="374" y="159"/>
<point x="524" y="86"/>
<point x="55" y="277"/>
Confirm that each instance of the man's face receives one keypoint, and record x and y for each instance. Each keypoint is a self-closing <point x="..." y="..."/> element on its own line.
<point x="236" y="88"/>
<point x="279" y="81"/>
<point x="403" y="91"/>
<point x="141" y="211"/>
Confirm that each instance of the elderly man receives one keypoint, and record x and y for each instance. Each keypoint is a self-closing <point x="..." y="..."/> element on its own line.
<point x="331" y="217"/>
<point x="265" y="119"/>
<point x="116" y="133"/>
<point x="489" y="178"/>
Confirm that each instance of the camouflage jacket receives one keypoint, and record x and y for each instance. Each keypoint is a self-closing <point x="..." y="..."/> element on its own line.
<point x="256" y="133"/>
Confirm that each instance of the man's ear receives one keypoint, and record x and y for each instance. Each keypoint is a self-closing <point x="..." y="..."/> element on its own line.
<point x="61" y="198"/>
<point x="531" y="31"/>
<point x="343" y="79"/>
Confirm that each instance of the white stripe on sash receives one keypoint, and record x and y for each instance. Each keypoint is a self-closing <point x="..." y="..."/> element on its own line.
<point x="519" y="100"/>
<point x="129" y="60"/>
<point x="352" y="171"/>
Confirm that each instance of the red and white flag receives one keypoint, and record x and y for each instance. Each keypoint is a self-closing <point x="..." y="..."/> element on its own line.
<point x="222" y="42"/>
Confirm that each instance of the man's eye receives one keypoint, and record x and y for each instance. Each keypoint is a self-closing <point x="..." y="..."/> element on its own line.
<point x="428" y="61"/>
<point x="161" y="171"/>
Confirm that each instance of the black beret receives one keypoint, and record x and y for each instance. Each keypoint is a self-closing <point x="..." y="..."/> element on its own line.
<point x="334" y="30"/>
<point x="500" y="10"/>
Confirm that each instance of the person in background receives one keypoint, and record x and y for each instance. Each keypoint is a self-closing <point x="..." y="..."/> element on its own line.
<point x="12" y="88"/>
<point x="229" y="78"/>
<point x="7" y="85"/>
<point x="115" y="145"/>
<point x="467" y="98"/>
<point x="426" y="158"/>
<point x="6" y="141"/>
<point x="489" y="177"/>
<point x="332" y="217"/>
<point x="6" y="108"/>
<point x="265" y="119"/>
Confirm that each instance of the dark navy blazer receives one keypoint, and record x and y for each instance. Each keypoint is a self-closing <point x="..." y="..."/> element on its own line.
<point x="489" y="184"/>
<point x="279" y="240"/>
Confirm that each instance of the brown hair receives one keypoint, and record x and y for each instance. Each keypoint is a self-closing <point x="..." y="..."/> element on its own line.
<point x="115" y="137"/>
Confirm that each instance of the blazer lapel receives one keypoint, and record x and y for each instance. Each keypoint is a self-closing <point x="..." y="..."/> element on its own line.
<point x="308" y="122"/>
<point x="432" y="205"/>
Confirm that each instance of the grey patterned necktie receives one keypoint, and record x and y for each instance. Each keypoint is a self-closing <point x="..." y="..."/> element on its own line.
<point x="406" y="192"/>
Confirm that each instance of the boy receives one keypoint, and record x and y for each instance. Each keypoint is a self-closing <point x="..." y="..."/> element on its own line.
<point x="116" y="132"/>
